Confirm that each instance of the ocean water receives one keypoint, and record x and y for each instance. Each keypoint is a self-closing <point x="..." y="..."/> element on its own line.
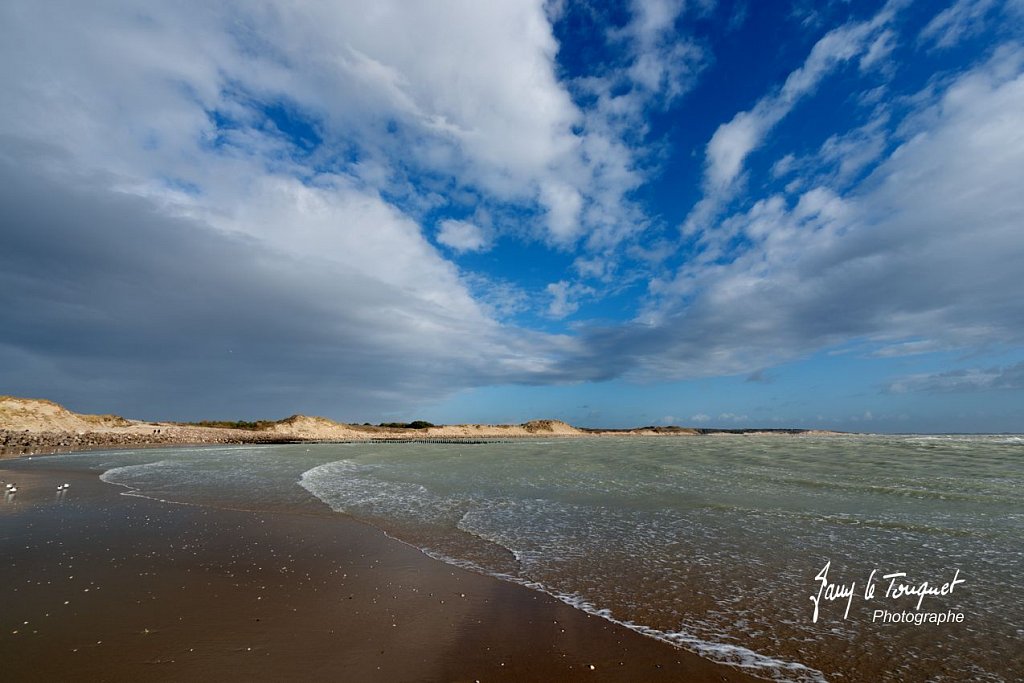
<point x="711" y="543"/>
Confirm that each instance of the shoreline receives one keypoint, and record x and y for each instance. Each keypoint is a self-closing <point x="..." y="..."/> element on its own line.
<point x="15" y="444"/>
<point x="18" y="443"/>
<point x="168" y="592"/>
<point x="31" y="426"/>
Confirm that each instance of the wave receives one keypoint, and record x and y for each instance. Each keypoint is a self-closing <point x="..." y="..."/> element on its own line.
<point x="349" y="487"/>
<point x="122" y="476"/>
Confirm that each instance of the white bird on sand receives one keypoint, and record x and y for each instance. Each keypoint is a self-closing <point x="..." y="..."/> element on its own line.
<point x="13" y="489"/>
<point x="67" y="486"/>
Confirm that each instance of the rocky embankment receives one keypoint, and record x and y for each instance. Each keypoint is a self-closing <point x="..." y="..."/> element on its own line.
<point x="30" y="425"/>
<point x="26" y="442"/>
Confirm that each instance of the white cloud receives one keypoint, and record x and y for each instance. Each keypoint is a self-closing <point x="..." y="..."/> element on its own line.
<point x="731" y="144"/>
<point x="734" y="141"/>
<point x="927" y="247"/>
<point x="462" y="236"/>
<point x="184" y="117"/>
<point x="1009" y="377"/>
<point x="846" y="155"/>
<point x="499" y="298"/>
<point x="155" y="306"/>
<point x="784" y="166"/>
<point x="960" y="20"/>
<point x="908" y="348"/>
<point x="190" y="114"/>
<point x="565" y="298"/>
<point x="482" y="107"/>
<point x="841" y="159"/>
<point x="879" y="51"/>
<point x="564" y="204"/>
<point x="660" y="63"/>
<point x="663" y="64"/>
<point x="594" y="267"/>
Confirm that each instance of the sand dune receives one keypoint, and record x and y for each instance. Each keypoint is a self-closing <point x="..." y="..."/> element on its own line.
<point x="29" y="425"/>
<point x="36" y="414"/>
<point x="44" y="416"/>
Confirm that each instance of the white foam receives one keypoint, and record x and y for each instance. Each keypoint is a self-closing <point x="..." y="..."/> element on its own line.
<point x="115" y="475"/>
<point x="347" y="486"/>
<point x="119" y="476"/>
<point x="722" y="653"/>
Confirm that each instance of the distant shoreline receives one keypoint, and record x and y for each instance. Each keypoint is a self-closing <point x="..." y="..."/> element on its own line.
<point x="34" y="426"/>
<point x="18" y="443"/>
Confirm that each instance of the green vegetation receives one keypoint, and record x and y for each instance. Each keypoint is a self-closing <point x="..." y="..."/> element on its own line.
<point x="257" y="426"/>
<point x="417" y="424"/>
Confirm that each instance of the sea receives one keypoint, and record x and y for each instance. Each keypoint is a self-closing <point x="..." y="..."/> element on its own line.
<point x="795" y="557"/>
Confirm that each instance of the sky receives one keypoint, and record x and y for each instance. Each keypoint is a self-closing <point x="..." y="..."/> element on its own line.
<point x="716" y="213"/>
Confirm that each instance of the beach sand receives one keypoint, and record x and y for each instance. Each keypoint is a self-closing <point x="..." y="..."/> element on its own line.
<point x="101" y="586"/>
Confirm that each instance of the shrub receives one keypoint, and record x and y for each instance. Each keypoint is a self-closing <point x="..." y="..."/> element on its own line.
<point x="416" y="424"/>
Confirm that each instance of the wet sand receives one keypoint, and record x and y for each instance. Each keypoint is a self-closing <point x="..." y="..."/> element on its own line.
<point x="101" y="586"/>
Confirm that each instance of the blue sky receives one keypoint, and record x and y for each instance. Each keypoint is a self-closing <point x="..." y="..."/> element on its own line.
<point x="704" y="213"/>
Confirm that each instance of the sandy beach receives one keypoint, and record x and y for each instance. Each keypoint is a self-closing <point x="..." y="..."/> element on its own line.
<point x="514" y="340"/>
<point x="102" y="586"/>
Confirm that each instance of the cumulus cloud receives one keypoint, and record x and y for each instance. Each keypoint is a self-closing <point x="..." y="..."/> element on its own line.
<point x="927" y="247"/>
<point x="565" y="298"/>
<point x="382" y="97"/>
<point x="219" y="200"/>
<point x="168" y="312"/>
<point x="226" y="203"/>
<point x="658" y="62"/>
<point x="663" y="63"/>
<point x="564" y="204"/>
<point x="462" y="236"/>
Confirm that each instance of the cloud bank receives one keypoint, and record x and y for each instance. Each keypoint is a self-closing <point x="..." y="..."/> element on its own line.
<point x="925" y="249"/>
<point x="247" y="206"/>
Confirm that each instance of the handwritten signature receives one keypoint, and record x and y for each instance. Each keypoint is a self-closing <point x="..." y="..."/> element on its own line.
<point x="896" y="589"/>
